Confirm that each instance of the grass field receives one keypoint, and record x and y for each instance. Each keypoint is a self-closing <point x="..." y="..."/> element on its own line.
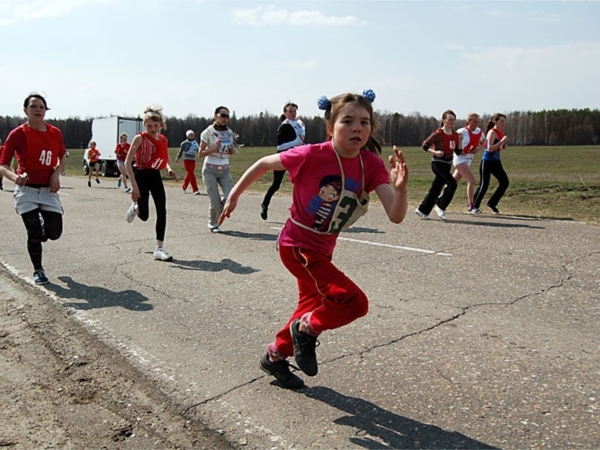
<point x="548" y="182"/>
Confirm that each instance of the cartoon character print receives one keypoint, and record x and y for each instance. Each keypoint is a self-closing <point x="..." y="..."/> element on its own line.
<point x="323" y="204"/>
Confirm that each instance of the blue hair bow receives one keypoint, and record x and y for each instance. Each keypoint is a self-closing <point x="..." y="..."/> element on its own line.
<point x="323" y="103"/>
<point x="369" y="95"/>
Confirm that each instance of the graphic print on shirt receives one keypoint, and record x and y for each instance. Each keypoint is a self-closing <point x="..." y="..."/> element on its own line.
<point x="323" y="205"/>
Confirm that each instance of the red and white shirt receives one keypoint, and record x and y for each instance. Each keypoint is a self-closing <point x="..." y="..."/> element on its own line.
<point x="152" y="153"/>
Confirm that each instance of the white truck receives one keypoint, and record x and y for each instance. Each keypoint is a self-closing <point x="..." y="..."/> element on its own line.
<point x="106" y="132"/>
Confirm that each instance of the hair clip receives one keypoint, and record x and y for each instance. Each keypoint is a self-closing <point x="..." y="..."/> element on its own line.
<point x="369" y="95"/>
<point x="323" y="103"/>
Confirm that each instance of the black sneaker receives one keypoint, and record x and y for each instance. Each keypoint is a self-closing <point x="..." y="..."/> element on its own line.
<point x="281" y="370"/>
<point x="304" y="349"/>
<point x="97" y="181"/>
<point x="493" y="208"/>
<point x="89" y="184"/>
<point x="263" y="212"/>
<point x="39" y="277"/>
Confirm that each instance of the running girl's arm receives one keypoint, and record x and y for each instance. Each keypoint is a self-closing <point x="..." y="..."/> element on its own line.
<point x="491" y="137"/>
<point x="429" y="145"/>
<point x="55" y="177"/>
<point x="480" y="145"/>
<point x="254" y="172"/>
<point x="135" y="192"/>
<point x="205" y="150"/>
<point x="395" y="201"/>
<point x="170" y="170"/>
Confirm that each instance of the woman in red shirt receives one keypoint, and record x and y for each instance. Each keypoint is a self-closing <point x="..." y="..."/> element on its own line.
<point x="121" y="151"/>
<point x="442" y="144"/>
<point x="41" y="154"/>
<point x="150" y="150"/>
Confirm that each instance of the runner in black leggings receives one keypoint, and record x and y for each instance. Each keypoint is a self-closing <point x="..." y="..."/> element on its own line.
<point x="41" y="154"/>
<point x="491" y="164"/>
<point x="290" y="134"/>
<point x="442" y="144"/>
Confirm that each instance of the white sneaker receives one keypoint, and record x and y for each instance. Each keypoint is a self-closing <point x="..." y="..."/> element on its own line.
<point x="216" y="230"/>
<point x="440" y="212"/>
<point x="421" y="215"/>
<point x="132" y="212"/>
<point x="197" y="193"/>
<point x="161" y="255"/>
<point x="475" y="210"/>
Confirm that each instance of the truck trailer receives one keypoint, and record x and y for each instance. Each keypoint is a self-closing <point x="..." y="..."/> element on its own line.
<point x="106" y="132"/>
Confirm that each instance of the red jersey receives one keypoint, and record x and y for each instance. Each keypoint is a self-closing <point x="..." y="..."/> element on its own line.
<point x="93" y="155"/>
<point x="152" y="153"/>
<point x="37" y="152"/>
<point x="499" y="136"/>
<point x="122" y="150"/>
<point x="442" y="141"/>
<point x="474" y="140"/>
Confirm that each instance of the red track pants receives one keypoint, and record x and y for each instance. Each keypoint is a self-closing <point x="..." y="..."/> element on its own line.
<point x="332" y="299"/>
<point x="190" y="177"/>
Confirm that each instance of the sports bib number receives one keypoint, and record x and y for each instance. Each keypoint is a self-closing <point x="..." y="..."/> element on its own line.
<point x="46" y="157"/>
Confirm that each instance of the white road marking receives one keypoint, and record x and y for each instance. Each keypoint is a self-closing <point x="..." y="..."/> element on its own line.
<point x="399" y="247"/>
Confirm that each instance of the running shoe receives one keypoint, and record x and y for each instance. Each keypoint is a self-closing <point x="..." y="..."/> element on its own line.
<point x="216" y="230"/>
<point x="441" y="213"/>
<point x="97" y="181"/>
<point x="475" y="210"/>
<point x="128" y="189"/>
<point x="132" y="212"/>
<point x="39" y="277"/>
<point x="263" y="212"/>
<point x="281" y="370"/>
<point x="304" y="349"/>
<point x="89" y="184"/>
<point x="119" y="183"/>
<point x="421" y="215"/>
<point x="161" y="255"/>
<point x="493" y="208"/>
<point x="197" y="193"/>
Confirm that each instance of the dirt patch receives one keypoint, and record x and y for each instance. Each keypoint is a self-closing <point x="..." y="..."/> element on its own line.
<point x="62" y="388"/>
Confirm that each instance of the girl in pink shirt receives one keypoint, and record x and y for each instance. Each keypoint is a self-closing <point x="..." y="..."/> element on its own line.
<point x="332" y="182"/>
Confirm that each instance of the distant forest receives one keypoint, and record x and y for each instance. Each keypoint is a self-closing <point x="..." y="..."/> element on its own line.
<point x="556" y="127"/>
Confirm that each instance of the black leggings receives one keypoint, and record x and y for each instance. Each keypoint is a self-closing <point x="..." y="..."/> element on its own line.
<point x="277" y="179"/>
<point x="443" y="176"/>
<point x="486" y="169"/>
<point x="149" y="181"/>
<point x="41" y="226"/>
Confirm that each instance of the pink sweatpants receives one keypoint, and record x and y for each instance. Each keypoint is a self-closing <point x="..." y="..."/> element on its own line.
<point x="332" y="299"/>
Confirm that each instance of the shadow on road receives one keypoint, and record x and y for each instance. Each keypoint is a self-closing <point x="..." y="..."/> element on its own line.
<point x="392" y="430"/>
<point x="496" y="224"/>
<point x="253" y="236"/>
<point x="210" y="266"/>
<point x="98" y="297"/>
<point x="364" y="230"/>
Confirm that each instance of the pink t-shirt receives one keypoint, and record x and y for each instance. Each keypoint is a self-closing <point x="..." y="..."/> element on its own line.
<point x="315" y="173"/>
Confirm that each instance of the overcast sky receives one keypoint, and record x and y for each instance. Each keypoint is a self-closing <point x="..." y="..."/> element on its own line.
<point x="94" y="58"/>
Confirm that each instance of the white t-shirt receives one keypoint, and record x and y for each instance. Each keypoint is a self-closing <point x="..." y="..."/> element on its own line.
<point x="221" y="156"/>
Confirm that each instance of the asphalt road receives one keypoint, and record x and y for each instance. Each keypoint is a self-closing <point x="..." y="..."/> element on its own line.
<point x="483" y="332"/>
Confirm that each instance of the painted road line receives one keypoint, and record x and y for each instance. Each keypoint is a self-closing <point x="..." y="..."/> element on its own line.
<point x="379" y="244"/>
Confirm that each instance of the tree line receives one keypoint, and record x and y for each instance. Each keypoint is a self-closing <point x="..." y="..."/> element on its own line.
<point x="555" y="127"/>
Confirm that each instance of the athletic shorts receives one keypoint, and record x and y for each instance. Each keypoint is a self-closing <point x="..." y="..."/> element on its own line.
<point x="120" y="164"/>
<point x="30" y="198"/>
<point x="460" y="159"/>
